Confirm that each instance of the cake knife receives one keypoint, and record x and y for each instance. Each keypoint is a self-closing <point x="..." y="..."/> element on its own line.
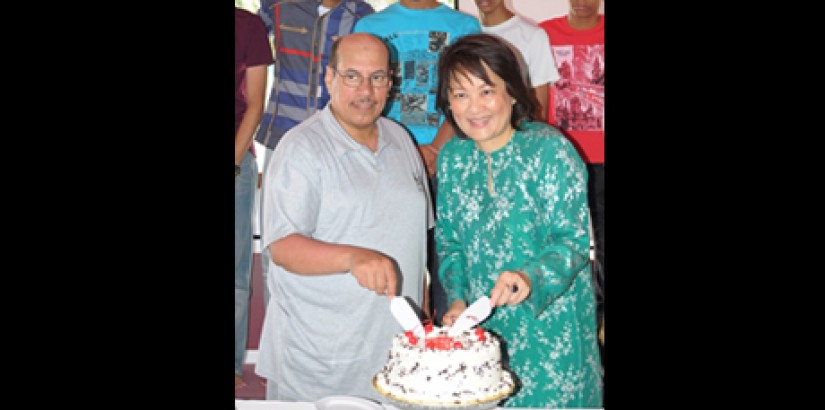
<point x="406" y="316"/>
<point x="471" y="316"/>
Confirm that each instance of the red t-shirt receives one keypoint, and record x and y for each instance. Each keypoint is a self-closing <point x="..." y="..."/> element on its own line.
<point x="251" y="49"/>
<point x="576" y="100"/>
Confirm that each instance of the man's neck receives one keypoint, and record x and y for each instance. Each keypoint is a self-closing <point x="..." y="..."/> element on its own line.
<point x="330" y="3"/>
<point x="495" y="17"/>
<point x="419" y="4"/>
<point x="367" y="137"/>
<point x="583" y="23"/>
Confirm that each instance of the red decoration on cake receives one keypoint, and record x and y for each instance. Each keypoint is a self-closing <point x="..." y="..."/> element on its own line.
<point x="439" y="343"/>
<point x="480" y="334"/>
<point x="428" y="325"/>
<point x="442" y="341"/>
<point x="411" y="337"/>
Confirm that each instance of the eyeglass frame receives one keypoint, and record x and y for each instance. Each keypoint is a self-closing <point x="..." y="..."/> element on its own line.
<point x="387" y="74"/>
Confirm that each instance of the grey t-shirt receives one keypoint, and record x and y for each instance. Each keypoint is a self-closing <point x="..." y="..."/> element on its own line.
<point x="325" y="335"/>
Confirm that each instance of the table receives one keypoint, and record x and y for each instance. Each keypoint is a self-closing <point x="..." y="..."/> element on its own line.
<point x="282" y="405"/>
<point x="291" y="405"/>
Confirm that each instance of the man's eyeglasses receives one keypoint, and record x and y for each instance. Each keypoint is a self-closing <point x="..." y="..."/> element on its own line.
<point x="352" y="78"/>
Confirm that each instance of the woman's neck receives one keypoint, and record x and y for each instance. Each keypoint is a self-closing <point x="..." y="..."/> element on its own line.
<point x="497" y="142"/>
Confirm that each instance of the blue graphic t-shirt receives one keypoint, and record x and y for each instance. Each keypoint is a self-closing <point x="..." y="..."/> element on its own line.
<point x="416" y="38"/>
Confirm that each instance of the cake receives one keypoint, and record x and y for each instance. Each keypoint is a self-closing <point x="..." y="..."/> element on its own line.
<point x="443" y="370"/>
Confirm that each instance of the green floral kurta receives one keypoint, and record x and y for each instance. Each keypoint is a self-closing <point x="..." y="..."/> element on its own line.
<point x="535" y="221"/>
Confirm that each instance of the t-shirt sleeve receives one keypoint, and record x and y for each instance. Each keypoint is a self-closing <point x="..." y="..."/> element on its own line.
<point x="543" y="68"/>
<point x="291" y="197"/>
<point x="259" y="51"/>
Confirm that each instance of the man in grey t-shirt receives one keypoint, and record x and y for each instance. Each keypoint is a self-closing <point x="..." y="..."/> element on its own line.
<point x="346" y="214"/>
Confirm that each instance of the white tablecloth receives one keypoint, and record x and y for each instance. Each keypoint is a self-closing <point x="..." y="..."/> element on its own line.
<point x="291" y="405"/>
<point x="281" y="405"/>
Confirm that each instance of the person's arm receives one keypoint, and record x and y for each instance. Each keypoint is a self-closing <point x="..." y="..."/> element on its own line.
<point x="306" y="256"/>
<point x="429" y="152"/>
<point x="445" y="132"/>
<point x="255" y="94"/>
<point x="541" y="96"/>
<point x="543" y="70"/>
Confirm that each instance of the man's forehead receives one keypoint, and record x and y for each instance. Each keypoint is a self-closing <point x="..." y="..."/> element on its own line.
<point x="359" y="63"/>
<point x="361" y="47"/>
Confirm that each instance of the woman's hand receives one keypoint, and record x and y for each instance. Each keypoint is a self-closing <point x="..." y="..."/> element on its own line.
<point x="512" y="287"/>
<point x="452" y="313"/>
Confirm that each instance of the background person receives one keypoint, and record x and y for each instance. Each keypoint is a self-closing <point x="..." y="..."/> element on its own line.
<point x="252" y="55"/>
<point x="529" y="39"/>
<point x="576" y="107"/>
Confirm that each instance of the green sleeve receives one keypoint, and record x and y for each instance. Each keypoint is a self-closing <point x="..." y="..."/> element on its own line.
<point x="565" y="250"/>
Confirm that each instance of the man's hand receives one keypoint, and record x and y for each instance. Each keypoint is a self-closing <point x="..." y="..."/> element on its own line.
<point x="374" y="271"/>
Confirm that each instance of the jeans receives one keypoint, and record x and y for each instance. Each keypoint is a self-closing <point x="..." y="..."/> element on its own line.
<point x="245" y="185"/>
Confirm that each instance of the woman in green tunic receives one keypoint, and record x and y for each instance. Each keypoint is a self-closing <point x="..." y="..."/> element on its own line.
<point x="513" y="224"/>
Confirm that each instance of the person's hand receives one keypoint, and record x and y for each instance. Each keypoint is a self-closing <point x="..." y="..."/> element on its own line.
<point x="511" y="287"/>
<point x="429" y="154"/>
<point x="374" y="271"/>
<point x="452" y="313"/>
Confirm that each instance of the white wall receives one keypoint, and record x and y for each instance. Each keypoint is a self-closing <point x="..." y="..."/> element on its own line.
<point x="533" y="10"/>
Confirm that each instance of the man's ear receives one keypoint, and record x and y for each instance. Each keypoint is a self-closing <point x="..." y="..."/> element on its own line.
<point x="328" y="78"/>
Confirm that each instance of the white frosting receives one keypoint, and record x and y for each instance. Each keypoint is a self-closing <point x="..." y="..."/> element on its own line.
<point x="460" y="375"/>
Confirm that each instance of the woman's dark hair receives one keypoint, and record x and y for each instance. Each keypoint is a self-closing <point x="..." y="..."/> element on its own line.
<point x="464" y="57"/>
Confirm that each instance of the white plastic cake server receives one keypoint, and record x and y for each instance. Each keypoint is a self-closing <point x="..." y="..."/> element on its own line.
<point x="471" y="316"/>
<point x="405" y="315"/>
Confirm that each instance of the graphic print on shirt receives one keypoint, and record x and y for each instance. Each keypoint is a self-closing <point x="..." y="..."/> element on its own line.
<point x="412" y="99"/>
<point x="580" y="90"/>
